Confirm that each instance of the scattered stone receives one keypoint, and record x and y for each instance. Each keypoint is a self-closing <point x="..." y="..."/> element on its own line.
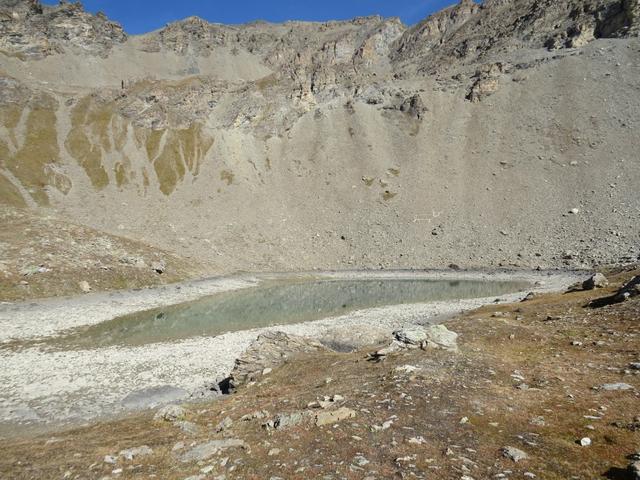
<point x="385" y="426"/>
<point x="380" y="355"/>
<point x="585" y="442"/>
<point x="110" y="459"/>
<point x="187" y="427"/>
<point x="255" y="416"/>
<point x="328" y="418"/>
<point x="273" y="452"/>
<point x="159" y="267"/>
<point x="596" y="281"/>
<point x="205" y="451"/>
<point x="432" y="336"/>
<point x="131" y="453"/>
<point x="538" y="421"/>
<point x="406" y="369"/>
<point x="514" y="454"/>
<point x="411" y="335"/>
<point x="287" y="420"/>
<point x="616" y="386"/>
<point x="634" y="366"/>
<point x="417" y="440"/>
<point x="225" y="424"/>
<point x="84" y="286"/>
<point x="170" y="413"/>
<point x="634" y="470"/>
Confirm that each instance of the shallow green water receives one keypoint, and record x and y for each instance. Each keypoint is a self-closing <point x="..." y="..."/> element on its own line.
<point x="274" y="303"/>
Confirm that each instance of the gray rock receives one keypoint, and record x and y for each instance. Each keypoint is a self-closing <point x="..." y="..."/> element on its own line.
<point x="411" y="335"/>
<point x="596" y="281"/>
<point x="153" y="397"/>
<point x="159" y="266"/>
<point x="334" y="416"/>
<point x="439" y="336"/>
<point x="615" y="386"/>
<point x="634" y="366"/>
<point x="224" y="424"/>
<point x="84" y="286"/>
<point x="287" y="420"/>
<point x="432" y="336"/>
<point x="634" y="470"/>
<point x="209" y="449"/>
<point x="360" y="461"/>
<point x="187" y="427"/>
<point x="170" y="413"/>
<point x="514" y="454"/>
<point x="131" y="453"/>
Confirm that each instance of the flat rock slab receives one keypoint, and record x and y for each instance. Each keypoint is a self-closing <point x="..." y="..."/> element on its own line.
<point x="610" y="387"/>
<point x="209" y="449"/>
<point x="334" y="416"/>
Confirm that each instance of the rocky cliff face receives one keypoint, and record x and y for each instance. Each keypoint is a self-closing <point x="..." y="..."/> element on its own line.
<point x="465" y="138"/>
<point x="29" y="29"/>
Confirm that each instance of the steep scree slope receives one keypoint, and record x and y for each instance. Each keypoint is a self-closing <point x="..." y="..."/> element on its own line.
<point x="496" y="133"/>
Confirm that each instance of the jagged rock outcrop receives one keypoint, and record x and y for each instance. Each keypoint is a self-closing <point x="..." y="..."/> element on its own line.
<point x="29" y="29"/>
<point x="270" y="350"/>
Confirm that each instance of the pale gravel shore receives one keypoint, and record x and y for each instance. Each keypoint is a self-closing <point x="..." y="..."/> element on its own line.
<point x="39" y="386"/>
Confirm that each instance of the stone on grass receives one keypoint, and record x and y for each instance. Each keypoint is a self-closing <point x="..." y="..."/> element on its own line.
<point x="411" y="335"/>
<point x="187" y="427"/>
<point x="585" y="442"/>
<point x="170" y="413"/>
<point x="439" y="336"/>
<point x="432" y="336"/>
<point x="225" y="424"/>
<point x="206" y="450"/>
<point x="131" y="453"/>
<point x="514" y="454"/>
<point x="596" y="281"/>
<point x="610" y="387"/>
<point x="334" y="416"/>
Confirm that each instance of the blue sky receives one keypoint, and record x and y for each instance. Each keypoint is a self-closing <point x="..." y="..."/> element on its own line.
<point x="139" y="16"/>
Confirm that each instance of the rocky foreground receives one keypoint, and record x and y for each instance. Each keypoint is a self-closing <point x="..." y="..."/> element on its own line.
<point x="547" y="388"/>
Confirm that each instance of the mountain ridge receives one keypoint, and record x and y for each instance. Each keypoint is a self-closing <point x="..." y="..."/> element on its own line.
<point x="347" y="144"/>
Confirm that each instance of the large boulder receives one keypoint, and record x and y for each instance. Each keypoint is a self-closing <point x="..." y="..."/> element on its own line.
<point x="432" y="336"/>
<point x="596" y="281"/>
